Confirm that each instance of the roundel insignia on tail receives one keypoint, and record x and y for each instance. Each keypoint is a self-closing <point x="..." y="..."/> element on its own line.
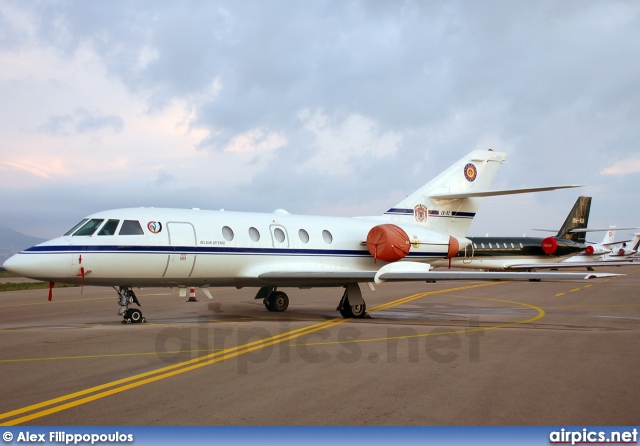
<point x="470" y="172"/>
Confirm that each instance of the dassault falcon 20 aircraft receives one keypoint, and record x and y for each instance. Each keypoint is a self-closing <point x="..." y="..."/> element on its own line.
<point x="129" y="248"/>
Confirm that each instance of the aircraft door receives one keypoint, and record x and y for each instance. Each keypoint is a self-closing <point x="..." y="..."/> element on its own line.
<point x="182" y="240"/>
<point x="279" y="236"/>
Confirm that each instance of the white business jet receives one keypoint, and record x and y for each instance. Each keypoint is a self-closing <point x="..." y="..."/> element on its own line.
<point x="129" y="248"/>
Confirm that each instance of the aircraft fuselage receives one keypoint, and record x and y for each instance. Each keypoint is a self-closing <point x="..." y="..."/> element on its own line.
<point x="180" y="247"/>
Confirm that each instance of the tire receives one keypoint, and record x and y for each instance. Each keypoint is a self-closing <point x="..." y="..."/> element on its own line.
<point x="353" y="311"/>
<point x="358" y="311"/>
<point x="278" y="301"/>
<point x="135" y="316"/>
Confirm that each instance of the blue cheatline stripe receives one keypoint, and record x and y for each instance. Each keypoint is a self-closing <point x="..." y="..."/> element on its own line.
<point x="211" y="250"/>
<point x="432" y="213"/>
<point x="398" y="211"/>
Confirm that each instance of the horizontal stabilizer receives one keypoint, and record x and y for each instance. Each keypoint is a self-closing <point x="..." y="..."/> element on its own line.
<point x="492" y="193"/>
<point x="578" y="230"/>
<point x="602" y="230"/>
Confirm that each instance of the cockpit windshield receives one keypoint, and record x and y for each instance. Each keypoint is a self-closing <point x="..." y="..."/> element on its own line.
<point x="109" y="227"/>
<point x="89" y="227"/>
<point x="71" y="231"/>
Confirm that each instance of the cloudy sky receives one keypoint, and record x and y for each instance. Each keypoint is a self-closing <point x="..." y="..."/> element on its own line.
<point x="318" y="107"/>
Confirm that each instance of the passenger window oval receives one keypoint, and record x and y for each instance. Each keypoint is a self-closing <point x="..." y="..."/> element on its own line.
<point x="227" y="233"/>
<point x="279" y="235"/>
<point x="328" y="238"/>
<point x="254" y="234"/>
<point x="304" y="236"/>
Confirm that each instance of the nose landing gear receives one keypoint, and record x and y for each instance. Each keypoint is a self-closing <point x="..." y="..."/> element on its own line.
<point x="127" y="297"/>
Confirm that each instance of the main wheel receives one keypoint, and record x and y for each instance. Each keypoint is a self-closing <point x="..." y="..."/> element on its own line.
<point x="358" y="311"/>
<point x="353" y="311"/>
<point x="277" y="301"/>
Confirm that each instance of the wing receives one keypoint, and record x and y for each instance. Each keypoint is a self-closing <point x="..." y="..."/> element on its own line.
<point x="412" y="271"/>
<point x="303" y="276"/>
<point x="563" y="265"/>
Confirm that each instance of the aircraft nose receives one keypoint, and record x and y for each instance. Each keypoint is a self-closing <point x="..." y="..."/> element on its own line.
<point x="16" y="264"/>
<point x="39" y="266"/>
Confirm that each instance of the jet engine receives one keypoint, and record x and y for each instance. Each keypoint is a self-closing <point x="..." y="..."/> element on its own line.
<point x="549" y="245"/>
<point x="388" y="243"/>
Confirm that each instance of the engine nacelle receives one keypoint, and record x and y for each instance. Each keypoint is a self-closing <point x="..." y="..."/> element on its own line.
<point x="549" y="245"/>
<point x="590" y="250"/>
<point x="388" y="242"/>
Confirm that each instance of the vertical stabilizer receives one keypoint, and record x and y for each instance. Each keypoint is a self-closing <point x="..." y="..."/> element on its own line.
<point x="473" y="173"/>
<point x="578" y="218"/>
<point x="609" y="237"/>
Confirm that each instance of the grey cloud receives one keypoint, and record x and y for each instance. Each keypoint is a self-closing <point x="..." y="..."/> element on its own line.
<point x="555" y="83"/>
<point x="88" y="121"/>
<point x="81" y="121"/>
<point x="163" y="177"/>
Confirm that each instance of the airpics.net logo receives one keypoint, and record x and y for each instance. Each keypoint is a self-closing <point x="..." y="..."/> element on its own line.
<point x="589" y="436"/>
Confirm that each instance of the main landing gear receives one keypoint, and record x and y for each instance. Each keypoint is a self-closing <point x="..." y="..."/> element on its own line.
<point x="273" y="300"/>
<point x="127" y="297"/>
<point x="351" y="305"/>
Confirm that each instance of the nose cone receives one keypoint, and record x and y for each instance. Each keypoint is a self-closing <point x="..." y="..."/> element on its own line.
<point x="15" y="265"/>
<point x="46" y="266"/>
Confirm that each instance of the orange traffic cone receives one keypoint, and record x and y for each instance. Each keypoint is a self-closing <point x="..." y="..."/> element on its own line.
<point x="192" y="295"/>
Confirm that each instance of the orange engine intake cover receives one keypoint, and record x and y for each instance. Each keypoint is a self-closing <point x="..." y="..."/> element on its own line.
<point x="388" y="242"/>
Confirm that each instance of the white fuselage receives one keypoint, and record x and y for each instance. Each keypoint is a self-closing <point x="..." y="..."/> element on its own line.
<point x="179" y="247"/>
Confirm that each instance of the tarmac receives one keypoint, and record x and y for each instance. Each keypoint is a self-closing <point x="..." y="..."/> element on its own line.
<point x="446" y="353"/>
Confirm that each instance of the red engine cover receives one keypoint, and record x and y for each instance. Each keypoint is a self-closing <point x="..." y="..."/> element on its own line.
<point x="549" y="245"/>
<point x="589" y="251"/>
<point x="388" y="243"/>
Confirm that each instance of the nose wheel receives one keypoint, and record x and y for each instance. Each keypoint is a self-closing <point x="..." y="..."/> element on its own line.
<point x="127" y="297"/>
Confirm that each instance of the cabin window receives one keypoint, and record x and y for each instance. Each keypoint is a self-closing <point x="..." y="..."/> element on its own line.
<point x="505" y="246"/>
<point x="328" y="238"/>
<point x="254" y="234"/>
<point x="521" y="247"/>
<point x="89" y="227"/>
<point x="279" y="235"/>
<point x="227" y="233"/>
<point x="131" y="227"/>
<point x="482" y="244"/>
<point x="490" y="246"/>
<point x="72" y="230"/>
<point x="304" y="236"/>
<point x="512" y="246"/>
<point x="475" y="246"/>
<point x="109" y="227"/>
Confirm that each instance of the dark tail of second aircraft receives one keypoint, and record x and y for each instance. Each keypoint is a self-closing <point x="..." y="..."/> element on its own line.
<point x="578" y="218"/>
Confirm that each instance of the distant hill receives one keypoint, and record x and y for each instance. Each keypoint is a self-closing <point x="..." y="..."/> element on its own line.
<point x="12" y="242"/>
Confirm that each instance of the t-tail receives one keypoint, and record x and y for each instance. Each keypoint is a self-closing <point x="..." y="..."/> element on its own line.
<point x="447" y="203"/>
<point x="578" y="218"/>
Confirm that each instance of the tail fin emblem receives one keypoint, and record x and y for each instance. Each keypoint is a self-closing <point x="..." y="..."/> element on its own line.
<point x="470" y="172"/>
<point x="420" y="212"/>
